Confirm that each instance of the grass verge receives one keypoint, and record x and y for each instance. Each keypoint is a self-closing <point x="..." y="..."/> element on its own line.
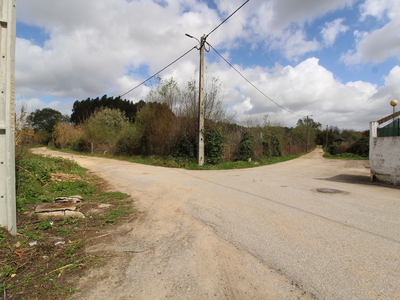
<point x="43" y="259"/>
<point x="349" y="156"/>
<point x="187" y="163"/>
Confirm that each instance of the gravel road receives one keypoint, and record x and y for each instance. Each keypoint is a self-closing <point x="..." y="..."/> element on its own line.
<point x="310" y="228"/>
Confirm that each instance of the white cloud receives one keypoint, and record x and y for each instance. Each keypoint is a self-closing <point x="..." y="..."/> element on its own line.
<point x="332" y="30"/>
<point x="34" y="103"/>
<point x="98" y="47"/>
<point x="294" y="44"/>
<point x="379" y="44"/>
<point x="307" y="89"/>
<point x="391" y="89"/>
<point x="379" y="8"/>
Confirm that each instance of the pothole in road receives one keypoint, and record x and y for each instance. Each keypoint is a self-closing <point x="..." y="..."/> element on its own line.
<point x="330" y="191"/>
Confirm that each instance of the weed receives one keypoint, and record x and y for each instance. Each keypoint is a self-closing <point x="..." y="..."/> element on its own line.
<point x="73" y="247"/>
<point x="27" y="278"/>
<point x="34" y="236"/>
<point x="65" y="231"/>
<point x="45" y="225"/>
<point x="6" y="271"/>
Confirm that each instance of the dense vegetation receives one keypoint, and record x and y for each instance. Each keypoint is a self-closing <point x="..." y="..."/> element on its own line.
<point x="166" y="125"/>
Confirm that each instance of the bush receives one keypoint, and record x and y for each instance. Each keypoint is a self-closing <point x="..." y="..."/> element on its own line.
<point x="276" y="146"/>
<point x="105" y="125"/>
<point x="78" y="144"/>
<point x="129" y="141"/>
<point x="246" y="147"/>
<point x="185" y="148"/>
<point x="65" y="133"/>
<point x="333" y="149"/>
<point x="267" y="147"/>
<point x="214" y="146"/>
<point x="158" y="126"/>
<point x="360" y="147"/>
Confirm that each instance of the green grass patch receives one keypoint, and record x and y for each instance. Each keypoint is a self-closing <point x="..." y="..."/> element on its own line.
<point x="30" y="261"/>
<point x="190" y="163"/>
<point x="349" y="156"/>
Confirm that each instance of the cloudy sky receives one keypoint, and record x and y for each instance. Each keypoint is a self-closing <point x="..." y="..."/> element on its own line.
<point x="337" y="60"/>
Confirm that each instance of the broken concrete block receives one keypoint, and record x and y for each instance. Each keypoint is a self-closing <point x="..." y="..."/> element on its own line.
<point x="59" y="215"/>
<point x="72" y="199"/>
<point x="48" y="207"/>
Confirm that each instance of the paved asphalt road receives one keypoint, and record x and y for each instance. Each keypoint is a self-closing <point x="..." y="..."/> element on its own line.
<point x="285" y="217"/>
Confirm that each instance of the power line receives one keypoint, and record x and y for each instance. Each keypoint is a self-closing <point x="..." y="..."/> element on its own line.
<point x="265" y="54"/>
<point x="252" y="83"/>
<point x="158" y="72"/>
<point x="227" y="18"/>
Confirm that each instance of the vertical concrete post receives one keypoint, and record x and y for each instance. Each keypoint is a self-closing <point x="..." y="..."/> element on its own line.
<point x="7" y="116"/>
<point x="200" y="144"/>
<point x="307" y="136"/>
<point x="326" y="139"/>
<point x="373" y="135"/>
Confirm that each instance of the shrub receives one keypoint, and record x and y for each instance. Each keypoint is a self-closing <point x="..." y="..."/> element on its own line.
<point x="267" y="147"/>
<point x="78" y="144"/>
<point x="158" y="126"/>
<point x="333" y="149"/>
<point x="128" y="142"/>
<point x="246" y="146"/>
<point x="105" y="125"/>
<point x="185" y="147"/>
<point x="360" y="147"/>
<point x="214" y="146"/>
<point x="64" y="133"/>
<point x="276" y="146"/>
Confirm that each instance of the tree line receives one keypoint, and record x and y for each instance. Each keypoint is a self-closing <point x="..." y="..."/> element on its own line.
<point x="165" y="123"/>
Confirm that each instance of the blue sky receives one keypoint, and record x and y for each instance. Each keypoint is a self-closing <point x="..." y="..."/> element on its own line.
<point x="337" y="60"/>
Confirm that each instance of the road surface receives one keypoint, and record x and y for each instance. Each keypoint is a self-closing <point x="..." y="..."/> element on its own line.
<point x="310" y="228"/>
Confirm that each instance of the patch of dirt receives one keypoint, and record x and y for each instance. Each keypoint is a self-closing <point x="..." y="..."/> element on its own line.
<point x="59" y="176"/>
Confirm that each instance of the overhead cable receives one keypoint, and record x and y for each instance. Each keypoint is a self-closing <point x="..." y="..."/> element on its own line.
<point x="252" y="83"/>
<point x="158" y="72"/>
<point x="265" y="54"/>
<point x="227" y="18"/>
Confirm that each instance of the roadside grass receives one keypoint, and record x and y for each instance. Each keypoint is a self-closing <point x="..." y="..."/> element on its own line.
<point x="45" y="256"/>
<point x="188" y="163"/>
<point x="348" y="156"/>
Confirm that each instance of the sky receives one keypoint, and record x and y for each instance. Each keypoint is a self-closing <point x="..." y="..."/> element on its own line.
<point x="336" y="61"/>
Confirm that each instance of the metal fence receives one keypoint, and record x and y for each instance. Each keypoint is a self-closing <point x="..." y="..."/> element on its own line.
<point x="392" y="129"/>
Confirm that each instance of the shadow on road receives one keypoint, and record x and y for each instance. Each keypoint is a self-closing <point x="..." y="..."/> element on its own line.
<point x="357" y="179"/>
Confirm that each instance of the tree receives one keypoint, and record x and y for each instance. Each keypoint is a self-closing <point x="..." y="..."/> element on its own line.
<point x="105" y="125"/>
<point x="311" y="123"/>
<point x="158" y="127"/>
<point x="82" y="110"/>
<point x="45" y="119"/>
<point x="184" y="102"/>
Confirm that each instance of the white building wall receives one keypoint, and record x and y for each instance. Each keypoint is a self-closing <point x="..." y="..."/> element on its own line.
<point x="384" y="157"/>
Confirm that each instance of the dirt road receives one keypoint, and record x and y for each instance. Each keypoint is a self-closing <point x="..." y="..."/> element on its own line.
<point x="303" y="229"/>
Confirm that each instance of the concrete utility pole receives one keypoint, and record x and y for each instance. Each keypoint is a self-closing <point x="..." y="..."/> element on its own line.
<point x="307" y="136"/>
<point x="200" y="138"/>
<point x="200" y="152"/>
<point x="307" y="133"/>
<point x="7" y="116"/>
<point x="326" y="139"/>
